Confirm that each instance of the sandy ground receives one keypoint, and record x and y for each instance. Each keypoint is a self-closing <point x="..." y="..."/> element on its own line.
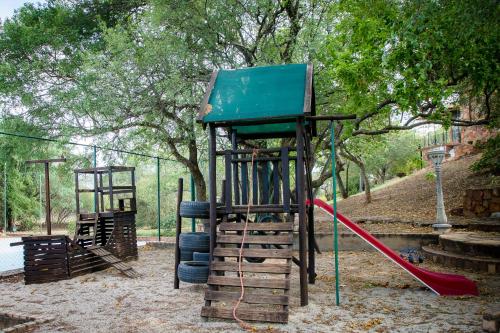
<point x="376" y="296"/>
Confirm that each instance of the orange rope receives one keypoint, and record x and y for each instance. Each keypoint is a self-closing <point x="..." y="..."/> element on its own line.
<point x="242" y="323"/>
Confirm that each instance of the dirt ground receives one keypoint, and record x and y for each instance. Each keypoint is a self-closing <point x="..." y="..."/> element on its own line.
<point x="414" y="197"/>
<point x="376" y="296"/>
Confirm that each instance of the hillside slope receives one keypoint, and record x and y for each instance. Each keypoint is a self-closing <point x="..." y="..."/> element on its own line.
<point x="414" y="197"/>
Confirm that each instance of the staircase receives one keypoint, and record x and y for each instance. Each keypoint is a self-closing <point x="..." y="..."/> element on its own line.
<point x="477" y="249"/>
<point x="267" y="283"/>
<point x="86" y="229"/>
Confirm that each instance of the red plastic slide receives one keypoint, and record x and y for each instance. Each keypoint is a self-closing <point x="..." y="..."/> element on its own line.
<point x="440" y="283"/>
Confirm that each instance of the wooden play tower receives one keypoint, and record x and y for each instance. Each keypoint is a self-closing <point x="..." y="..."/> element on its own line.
<point x="252" y="107"/>
<point x="104" y="236"/>
<point x="112" y="224"/>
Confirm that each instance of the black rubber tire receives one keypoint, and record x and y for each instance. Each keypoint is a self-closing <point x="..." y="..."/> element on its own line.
<point x="186" y="255"/>
<point x="196" y="209"/>
<point x="194" y="241"/>
<point x="193" y="271"/>
<point x="199" y="256"/>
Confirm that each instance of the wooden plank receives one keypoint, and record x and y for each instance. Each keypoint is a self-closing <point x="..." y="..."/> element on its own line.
<point x="244" y="183"/>
<point x="250" y="267"/>
<point x="244" y="314"/>
<point x="256" y="226"/>
<point x="265" y="183"/>
<point x="285" y="174"/>
<point x="254" y="298"/>
<point x="109" y="258"/>
<point x="41" y="255"/>
<point x="228" y="195"/>
<point x="267" y="239"/>
<point x="243" y="209"/>
<point x="255" y="183"/>
<point x="50" y="260"/>
<point x="249" y="282"/>
<point x="276" y="183"/>
<point x="255" y="253"/>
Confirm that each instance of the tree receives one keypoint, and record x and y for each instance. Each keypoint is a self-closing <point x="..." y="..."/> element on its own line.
<point x="401" y="64"/>
<point x="132" y="73"/>
<point x="23" y="181"/>
<point x="137" y="79"/>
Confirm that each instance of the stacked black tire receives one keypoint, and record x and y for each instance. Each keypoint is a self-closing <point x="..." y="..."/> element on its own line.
<point x="189" y="270"/>
<point x="190" y="242"/>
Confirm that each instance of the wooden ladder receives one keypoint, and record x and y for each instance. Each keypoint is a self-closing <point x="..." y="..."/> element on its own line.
<point x="91" y="222"/>
<point x="114" y="261"/>
<point x="266" y="284"/>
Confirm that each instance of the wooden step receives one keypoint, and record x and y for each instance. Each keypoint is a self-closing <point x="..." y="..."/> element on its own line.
<point x="232" y="226"/>
<point x="249" y="282"/>
<point x="245" y="314"/>
<point x="82" y="222"/>
<point x="261" y="239"/>
<point x="250" y="267"/>
<point x="84" y="237"/>
<point x="254" y="253"/>
<point x="254" y="298"/>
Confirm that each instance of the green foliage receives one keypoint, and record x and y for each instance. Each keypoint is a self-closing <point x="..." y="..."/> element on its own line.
<point x="430" y="176"/>
<point x="390" y="58"/>
<point x="394" y="153"/>
<point x="490" y="159"/>
<point x="132" y="73"/>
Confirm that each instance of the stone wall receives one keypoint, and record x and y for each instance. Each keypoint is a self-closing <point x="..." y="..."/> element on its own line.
<point x="481" y="202"/>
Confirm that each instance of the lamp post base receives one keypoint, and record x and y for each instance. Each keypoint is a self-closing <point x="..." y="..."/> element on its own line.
<point x="441" y="228"/>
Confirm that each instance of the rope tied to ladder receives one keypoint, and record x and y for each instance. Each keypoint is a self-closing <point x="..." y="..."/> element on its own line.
<point x="243" y="324"/>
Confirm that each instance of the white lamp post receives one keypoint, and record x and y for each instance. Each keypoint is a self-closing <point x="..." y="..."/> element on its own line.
<point x="441" y="225"/>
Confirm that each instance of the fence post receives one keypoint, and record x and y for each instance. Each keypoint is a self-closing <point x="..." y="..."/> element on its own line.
<point x="335" y="229"/>
<point x="5" y="197"/>
<point x="40" y="196"/>
<point x="96" y="184"/>
<point x="193" y="198"/>
<point x="158" y="220"/>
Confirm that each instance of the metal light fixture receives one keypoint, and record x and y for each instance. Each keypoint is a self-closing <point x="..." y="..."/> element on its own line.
<point x="436" y="156"/>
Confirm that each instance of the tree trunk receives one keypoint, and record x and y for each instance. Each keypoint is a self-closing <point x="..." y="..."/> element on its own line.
<point x="359" y="162"/>
<point x="340" y="183"/>
<point x="366" y="182"/>
<point x="199" y="182"/>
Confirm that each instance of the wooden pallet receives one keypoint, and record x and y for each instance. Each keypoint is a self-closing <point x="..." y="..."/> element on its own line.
<point x="114" y="261"/>
<point x="267" y="284"/>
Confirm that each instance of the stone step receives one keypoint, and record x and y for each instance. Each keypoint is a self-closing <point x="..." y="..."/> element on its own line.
<point x="492" y="225"/>
<point x="491" y="319"/>
<point x="471" y="243"/>
<point x="483" y="264"/>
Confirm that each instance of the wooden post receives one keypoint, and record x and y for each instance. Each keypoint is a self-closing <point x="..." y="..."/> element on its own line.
<point x="212" y="179"/>
<point x="311" y="240"/>
<point x="47" y="188"/>
<point x="301" y="201"/>
<point x="236" y="181"/>
<point x="178" y="230"/>
<point x="101" y="186"/>
<point x="48" y="222"/>
<point x="110" y="181"/>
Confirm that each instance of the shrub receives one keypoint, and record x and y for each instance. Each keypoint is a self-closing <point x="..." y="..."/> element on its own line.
<point x="430" y="176"/>
<point x="490" y="160"/>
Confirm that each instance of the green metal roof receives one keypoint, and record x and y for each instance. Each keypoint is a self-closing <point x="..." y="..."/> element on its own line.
<point x="259" y="94"/>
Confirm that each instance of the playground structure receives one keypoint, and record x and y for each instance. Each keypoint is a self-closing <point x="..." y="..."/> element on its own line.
<point x="103" y="238"/>
<point x="260" y="103"/>
<point x="269" y="103"/>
